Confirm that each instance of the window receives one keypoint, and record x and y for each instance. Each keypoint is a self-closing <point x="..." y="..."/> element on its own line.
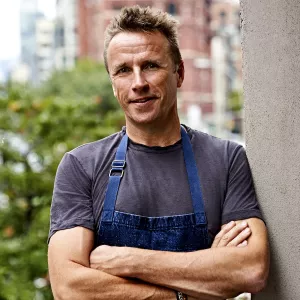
<point x="172" y="9"/>
<point x="222" y="14"/>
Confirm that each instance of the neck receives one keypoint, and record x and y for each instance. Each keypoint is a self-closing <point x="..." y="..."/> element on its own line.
<point x="154" y="134"/>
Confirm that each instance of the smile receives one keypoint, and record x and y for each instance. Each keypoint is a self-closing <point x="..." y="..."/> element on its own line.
<point x="143" y="100"/>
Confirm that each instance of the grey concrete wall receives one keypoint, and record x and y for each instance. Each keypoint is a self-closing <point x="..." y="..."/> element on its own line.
<point x="271" y="66"/>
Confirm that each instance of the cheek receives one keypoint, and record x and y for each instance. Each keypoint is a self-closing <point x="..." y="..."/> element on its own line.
<point x="171" y="87"/>
<point x="121" y="92"/>
<point x="165" y="82"/>
<point x="159" y="84"/>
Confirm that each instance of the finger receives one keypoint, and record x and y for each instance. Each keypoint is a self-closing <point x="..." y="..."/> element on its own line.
<point x="232" y="234"/>
<point x="243" y="244"/>
<point x="244" y="235"/>
<point x="223" y="231"/>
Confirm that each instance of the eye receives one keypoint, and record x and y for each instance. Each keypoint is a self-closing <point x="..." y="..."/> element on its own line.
<point x="151" y="65"/>
<point x="123" y="70"/>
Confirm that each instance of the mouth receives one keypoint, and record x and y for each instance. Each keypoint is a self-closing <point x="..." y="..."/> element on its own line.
<point x="143" y="100"/>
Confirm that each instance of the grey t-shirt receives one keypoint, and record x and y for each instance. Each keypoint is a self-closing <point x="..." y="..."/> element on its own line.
<point x="155" y="182"/>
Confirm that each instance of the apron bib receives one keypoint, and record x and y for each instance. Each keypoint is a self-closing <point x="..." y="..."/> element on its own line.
<point x="182" y="233"/>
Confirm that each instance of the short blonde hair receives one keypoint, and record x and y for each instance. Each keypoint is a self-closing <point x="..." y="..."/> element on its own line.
<point x="144" y="19"/>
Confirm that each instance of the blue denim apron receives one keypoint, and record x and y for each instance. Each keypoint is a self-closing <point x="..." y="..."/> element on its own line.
<point x="180" y="233"/>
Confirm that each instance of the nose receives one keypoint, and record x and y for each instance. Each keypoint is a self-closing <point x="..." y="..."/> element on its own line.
<point x="139" y="83"/>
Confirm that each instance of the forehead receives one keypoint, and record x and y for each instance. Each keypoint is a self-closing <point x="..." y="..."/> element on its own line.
<point x="130" y="45"/>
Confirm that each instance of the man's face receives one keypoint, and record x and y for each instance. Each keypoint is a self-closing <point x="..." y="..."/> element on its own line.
<point x="143" y="76"/>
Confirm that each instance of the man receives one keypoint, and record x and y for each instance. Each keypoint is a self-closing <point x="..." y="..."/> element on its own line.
<point x="136" y="215"/>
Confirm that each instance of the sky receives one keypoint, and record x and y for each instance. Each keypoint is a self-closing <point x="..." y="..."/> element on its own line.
<point x="9" y="25"/>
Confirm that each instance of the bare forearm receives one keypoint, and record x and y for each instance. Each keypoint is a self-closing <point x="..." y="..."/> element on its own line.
<point x="215" y="273"/>
<point x="80" y="282"/>
<point x="211" y="274"/>
<point x="206" y="274"/>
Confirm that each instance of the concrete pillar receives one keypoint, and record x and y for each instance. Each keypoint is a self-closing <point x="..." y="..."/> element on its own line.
<point x="271" y="64"/>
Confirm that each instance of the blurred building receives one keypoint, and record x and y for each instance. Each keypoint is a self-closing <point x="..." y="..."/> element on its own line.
<point x="44" y="39"/>
<point x="66" y="45"/>
<point x="37" y="45"/>
<point x="28" y="16"/>
<point x="225" y="22"/>
<point x="194" y="35"/>
<point x="226" y="68"/>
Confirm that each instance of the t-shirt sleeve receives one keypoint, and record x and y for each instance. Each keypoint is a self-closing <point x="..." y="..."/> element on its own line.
<point x="71" y="203"/>
<point x="240" y="200"/>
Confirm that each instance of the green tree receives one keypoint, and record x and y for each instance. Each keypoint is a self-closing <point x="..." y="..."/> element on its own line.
<point x="235" y="105"/>
<point x="36" y="129"/>
<point x="235" y="101"/>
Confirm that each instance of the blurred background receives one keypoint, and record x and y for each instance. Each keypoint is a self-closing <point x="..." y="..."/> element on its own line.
<point x="55" y="95"/>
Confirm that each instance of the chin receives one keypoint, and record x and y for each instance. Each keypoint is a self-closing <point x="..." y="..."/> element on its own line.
<point x="143" y="119"/>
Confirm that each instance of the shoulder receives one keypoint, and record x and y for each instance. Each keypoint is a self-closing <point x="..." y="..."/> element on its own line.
<point x="90" y="155"/>
<point x="96" y="147"/>
<point x="213" y="146"/>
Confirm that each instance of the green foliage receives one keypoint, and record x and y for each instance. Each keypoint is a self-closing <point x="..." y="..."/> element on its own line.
<point x="235" y="101"/>
<point x="87" y="80"/>
<point x="36" y="128"/>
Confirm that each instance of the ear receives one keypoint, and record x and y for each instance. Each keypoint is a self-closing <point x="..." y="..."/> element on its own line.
<point x="180" y="74"/>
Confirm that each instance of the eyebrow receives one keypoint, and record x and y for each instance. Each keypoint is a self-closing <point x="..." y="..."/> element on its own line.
<point x="122" y="65"/>
<point x="118" y="67"/>
<point x="152" y="61"/>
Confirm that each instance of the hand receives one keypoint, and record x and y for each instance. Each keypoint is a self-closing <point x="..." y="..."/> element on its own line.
<point x="232" y="234"/>
<point x="113" y="260"/>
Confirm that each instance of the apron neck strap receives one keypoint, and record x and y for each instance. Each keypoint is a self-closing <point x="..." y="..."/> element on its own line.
<point x="193" y="178"/>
